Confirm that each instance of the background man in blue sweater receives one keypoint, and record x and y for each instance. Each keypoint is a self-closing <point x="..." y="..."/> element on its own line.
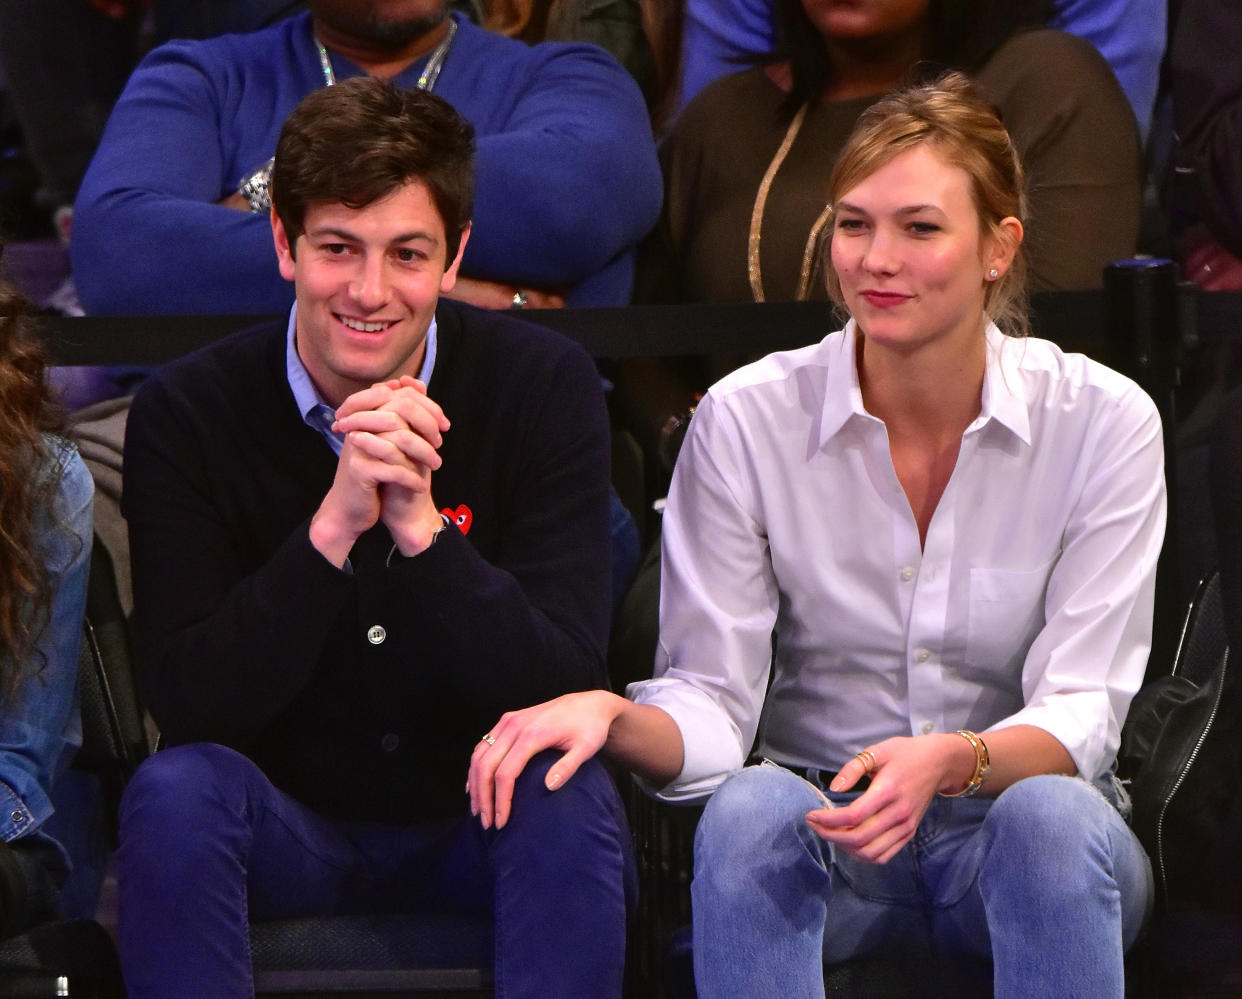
<point x="567" y="175"/>
<point x="357" y="536"/>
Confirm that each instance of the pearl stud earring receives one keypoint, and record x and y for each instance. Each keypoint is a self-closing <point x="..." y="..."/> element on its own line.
<point x="993" y="274"/>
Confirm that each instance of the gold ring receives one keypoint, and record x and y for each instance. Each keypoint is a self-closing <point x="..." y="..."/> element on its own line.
<point x="489" y="739"/>
<point x="868" y="760"/>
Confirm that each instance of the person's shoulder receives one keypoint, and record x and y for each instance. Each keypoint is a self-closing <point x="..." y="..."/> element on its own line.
<point x="1059" y="378"/>
<point x="503" y="341"/>
<point x="225" y="50"/>
<point x="516" y="369"/>
<point x="499" y="53"/>
<point x="236" y="368"/>
<point x="66" y="464"/>
<point x="1046" y="81"/>
<point x="742" y="103"/>
<point x="786" y="371"/>
<point x="748" y="87"/>
<point x="1055" y="58"/>
<point x="71" y="486"/>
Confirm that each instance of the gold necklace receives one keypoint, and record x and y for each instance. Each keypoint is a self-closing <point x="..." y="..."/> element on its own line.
<point x="753" y="267"/>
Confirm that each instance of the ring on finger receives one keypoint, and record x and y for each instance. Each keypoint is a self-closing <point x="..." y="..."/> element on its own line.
<point x="489" y="739"/>
<point x="867" y="758"/>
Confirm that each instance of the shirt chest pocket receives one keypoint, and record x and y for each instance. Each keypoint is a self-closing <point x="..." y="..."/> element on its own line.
<point x="1006" y="613"/>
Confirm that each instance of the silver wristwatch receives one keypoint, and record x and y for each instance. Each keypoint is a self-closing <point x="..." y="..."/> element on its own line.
<point x="255" y="188"/>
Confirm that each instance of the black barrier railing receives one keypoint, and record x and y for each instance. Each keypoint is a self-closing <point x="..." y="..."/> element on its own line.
<point x="631" y="331"/>
<point x="1073" y="319"/>
<point x="1142" y="323"/>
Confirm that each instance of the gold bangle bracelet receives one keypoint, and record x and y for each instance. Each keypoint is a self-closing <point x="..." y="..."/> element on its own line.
<point x="983" y="765"/>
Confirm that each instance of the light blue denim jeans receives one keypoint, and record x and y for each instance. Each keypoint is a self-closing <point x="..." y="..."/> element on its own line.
<point x="1046" y="880"/>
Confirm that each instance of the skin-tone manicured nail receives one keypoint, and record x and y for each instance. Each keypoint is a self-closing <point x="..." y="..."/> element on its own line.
<point x="554" y="781"/>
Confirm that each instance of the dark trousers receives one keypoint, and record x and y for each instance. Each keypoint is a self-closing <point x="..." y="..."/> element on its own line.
<point x="207" y="844"/>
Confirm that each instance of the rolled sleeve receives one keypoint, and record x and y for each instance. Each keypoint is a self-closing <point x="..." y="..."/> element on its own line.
<point x="718" y="607"/>
<point x="710" y="740"/>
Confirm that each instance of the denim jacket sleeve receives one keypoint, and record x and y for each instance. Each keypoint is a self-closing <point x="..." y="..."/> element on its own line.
<point x="40" y="728"/>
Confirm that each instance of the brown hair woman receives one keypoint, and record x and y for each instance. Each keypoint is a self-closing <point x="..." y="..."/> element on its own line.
<point x="45" y="540"/>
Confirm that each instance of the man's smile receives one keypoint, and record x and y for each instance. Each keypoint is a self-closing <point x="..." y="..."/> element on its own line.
<point x="365" y="325"/>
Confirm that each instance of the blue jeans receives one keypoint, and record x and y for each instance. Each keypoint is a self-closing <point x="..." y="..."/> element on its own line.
<point x="207" y="843"/>
<point x="1046" y="880"/>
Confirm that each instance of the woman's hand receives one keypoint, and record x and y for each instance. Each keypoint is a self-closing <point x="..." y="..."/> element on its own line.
<point x="576" y="723"/>
<point x="907" y="774"/>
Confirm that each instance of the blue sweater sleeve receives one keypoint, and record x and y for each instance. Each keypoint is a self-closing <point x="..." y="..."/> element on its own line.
<point x="567" y="179"/>
<point x="148" y="232"/>
<point x="149" y="235"/>
<point x="40" y="728"/>
<point x="567" y="176"/>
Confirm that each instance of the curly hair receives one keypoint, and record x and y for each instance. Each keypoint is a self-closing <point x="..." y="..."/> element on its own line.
<point x="27" y="412"/>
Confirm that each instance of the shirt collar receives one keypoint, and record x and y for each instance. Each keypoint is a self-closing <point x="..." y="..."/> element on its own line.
<point x="316" y="413"/>
<point x="1002" y="400"/>
<point x="843" y="398"/>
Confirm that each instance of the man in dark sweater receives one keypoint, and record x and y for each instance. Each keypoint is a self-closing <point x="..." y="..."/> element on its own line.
<point x="356" y="540"/>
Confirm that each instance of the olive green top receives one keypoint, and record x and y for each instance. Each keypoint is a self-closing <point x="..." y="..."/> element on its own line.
<point x="1068" y="116"/>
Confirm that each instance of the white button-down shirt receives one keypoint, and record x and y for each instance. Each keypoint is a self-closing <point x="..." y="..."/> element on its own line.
<point x="789" y="543"/>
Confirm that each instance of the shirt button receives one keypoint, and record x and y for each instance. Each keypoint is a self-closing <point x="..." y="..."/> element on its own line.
<point x="390" y="742"/>
<point x="907" y="573"/>
<point x="376" y="634"/>
<point x="928" y="728"/>
<point x="922" y="655"/>
<point x="18" y="815"/>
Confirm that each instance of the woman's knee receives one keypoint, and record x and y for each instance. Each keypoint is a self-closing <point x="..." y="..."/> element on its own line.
<point x="753" y="812"/>
<point x="1059" y="840"/>
<point x="1052" y="810"/>
<point x="1061" y="831"/>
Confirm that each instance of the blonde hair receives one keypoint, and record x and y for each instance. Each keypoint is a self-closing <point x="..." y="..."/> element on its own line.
<point x="950" y="115"/>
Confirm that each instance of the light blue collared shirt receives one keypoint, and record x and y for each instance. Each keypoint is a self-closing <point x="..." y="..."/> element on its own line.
<point x="316" y="413"/>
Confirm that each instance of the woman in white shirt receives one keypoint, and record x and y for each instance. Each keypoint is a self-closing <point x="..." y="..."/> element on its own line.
<point x="952" y="535"/>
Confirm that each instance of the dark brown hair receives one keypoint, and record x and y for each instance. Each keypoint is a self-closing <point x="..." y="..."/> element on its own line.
<point x="28" y="483"/>
<point x="360" y="140"/>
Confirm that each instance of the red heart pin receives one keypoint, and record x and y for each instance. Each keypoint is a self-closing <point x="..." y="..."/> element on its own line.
<point x="462" y="517"/>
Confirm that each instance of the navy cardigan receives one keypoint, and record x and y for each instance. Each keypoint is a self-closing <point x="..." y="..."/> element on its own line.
<point x="363" y="693"/>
